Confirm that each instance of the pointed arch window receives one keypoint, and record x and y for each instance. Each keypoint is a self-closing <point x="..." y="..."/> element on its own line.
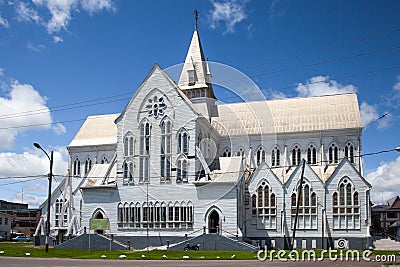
<point x="104" y="160"/>
<point x="296" y="155"/>
<point x="311" y="155"/>
<point x="227" y="152"/>
<point x="240" y="152"/>
<point x="120" y="216"/>
<point x="191" y="76"/>
<point x="182" y="170"/>
<point x="88" y="166"/>
<point x="349" y="152"/>
<point x="333" y="154"/>
<point x="264" y="206"/>
<point x="128" y="145"/>
<point x="346" y="206"/>
<point x="61" y="216"/>
<point x="275" y="157"/>
<point x="307" y="215"/>
<point x="183" y="142"/>
<point x="260" y="155"/>
<point x="144" y="155"/>
<point x="128" y="172"/>
<point x="77" y="167"/>
<point x="165" y="156"/>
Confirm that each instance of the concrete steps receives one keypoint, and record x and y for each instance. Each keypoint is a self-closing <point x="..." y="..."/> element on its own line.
<point x="386" y="244"/>
<point x="214" y="242"/>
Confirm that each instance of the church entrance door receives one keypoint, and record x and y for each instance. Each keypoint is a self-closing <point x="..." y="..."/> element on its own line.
<point x="213" y="222"/>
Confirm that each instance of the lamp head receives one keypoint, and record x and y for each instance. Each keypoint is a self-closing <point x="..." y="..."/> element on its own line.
<point x="37" y="145"/>
<point x="397" y="149"/>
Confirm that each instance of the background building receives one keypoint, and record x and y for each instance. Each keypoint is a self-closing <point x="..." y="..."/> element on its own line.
<point x="22" y="220"/>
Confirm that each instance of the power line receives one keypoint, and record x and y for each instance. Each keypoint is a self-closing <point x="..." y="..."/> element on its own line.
<point x="381" y="117"/>
<point x="232" y="97"/>
<point x="370" y="37"/>
<point x="71" y="106"/>
<point x="21" y="177"/>
<point x="17" y="182"/>
<point x="46" y="110"/>
<point x="320" y="62"/>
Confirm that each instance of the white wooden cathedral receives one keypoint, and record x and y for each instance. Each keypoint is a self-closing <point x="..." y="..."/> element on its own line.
<point x="175" y="162"/>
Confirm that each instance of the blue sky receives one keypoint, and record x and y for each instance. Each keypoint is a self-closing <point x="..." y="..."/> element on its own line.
<point x="54" y="53"/>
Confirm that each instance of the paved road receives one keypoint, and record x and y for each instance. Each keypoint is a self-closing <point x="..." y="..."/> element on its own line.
<point x="56" y="262"/>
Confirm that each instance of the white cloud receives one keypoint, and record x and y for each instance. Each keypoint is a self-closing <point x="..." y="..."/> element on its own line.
<point x="397" y="85"/>
<point x="368" y="113"/>
<point x="25" y="13"/>
<point x="61" y="11"/>
<point x="276" y="95"/>
<point x="385" y="122"/>
<point x="228" y="12"/>
<point x="35" y="48"/>
<point x="57" y="39"/>
<point x="1" y="72"/>
<point x="93" y="6"/>
<point x="31" y="200"/>
<point x="275" y="11"/>
<point x="59" y="129"/>
<point x="385" y="181"/>
<point x="4" y="22"/>
<point x="16" y="110"/>
<point x="32" y="162"/>
<point x="322" y="85"/>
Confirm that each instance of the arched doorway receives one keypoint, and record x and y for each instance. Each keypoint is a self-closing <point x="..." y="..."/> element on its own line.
<point x="213" y="222"/>
<point x="99" y="215"/>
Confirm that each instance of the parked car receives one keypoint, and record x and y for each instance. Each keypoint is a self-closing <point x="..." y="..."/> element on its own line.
<point x="22" y="239"/>
<point x="2" y="238"/>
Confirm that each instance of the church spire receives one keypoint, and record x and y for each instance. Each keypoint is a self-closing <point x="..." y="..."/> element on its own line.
<point x="195" y="79"/>
<point x="196" y="18"/>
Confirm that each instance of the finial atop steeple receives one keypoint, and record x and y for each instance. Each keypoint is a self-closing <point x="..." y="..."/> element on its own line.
<point x="196" y="18"/>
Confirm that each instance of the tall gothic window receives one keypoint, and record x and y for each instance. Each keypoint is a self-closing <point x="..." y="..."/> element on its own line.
<point x="144" y="156"/>
<point x="128" y="172"/>
<point x="333" y="154"/>
<point x="296" y="155"/>
<point x="307" y="215"/>
<point x="275" y="157"/>
<point x="349" y="152"/>
<point x="61" y="216"/>
<point x="183" y="142"/>
<point x="264" y="206"/>
<point x="182" y="170"/>
<point x="128" y="145"/>
<point x="165" y="151"/>
<point x="346" y="207"/>
<point x="311" y="155"/>
<point x="77" y="167"/>
<point x="88" y="165"/>
<point x="260" y="156"/>
<point x="226" y="152"/>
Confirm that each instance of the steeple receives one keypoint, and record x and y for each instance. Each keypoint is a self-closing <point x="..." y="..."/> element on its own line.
<point x="195" y="79"/>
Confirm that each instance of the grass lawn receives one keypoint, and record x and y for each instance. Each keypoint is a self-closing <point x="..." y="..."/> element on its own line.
<point x="20" y="249"/>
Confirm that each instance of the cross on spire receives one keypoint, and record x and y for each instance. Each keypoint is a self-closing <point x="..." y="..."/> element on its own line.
<point x="196" y="18"/>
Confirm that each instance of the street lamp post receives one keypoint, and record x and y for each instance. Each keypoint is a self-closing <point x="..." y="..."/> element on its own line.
<point x="49" y="193"/>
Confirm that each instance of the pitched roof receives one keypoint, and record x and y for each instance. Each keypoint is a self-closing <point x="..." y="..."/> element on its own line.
<point x="96" y="130"/>
<point x="318" y="113"/>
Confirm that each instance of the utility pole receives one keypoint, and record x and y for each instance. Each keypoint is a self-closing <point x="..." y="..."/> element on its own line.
<point x="48" y="195"/>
